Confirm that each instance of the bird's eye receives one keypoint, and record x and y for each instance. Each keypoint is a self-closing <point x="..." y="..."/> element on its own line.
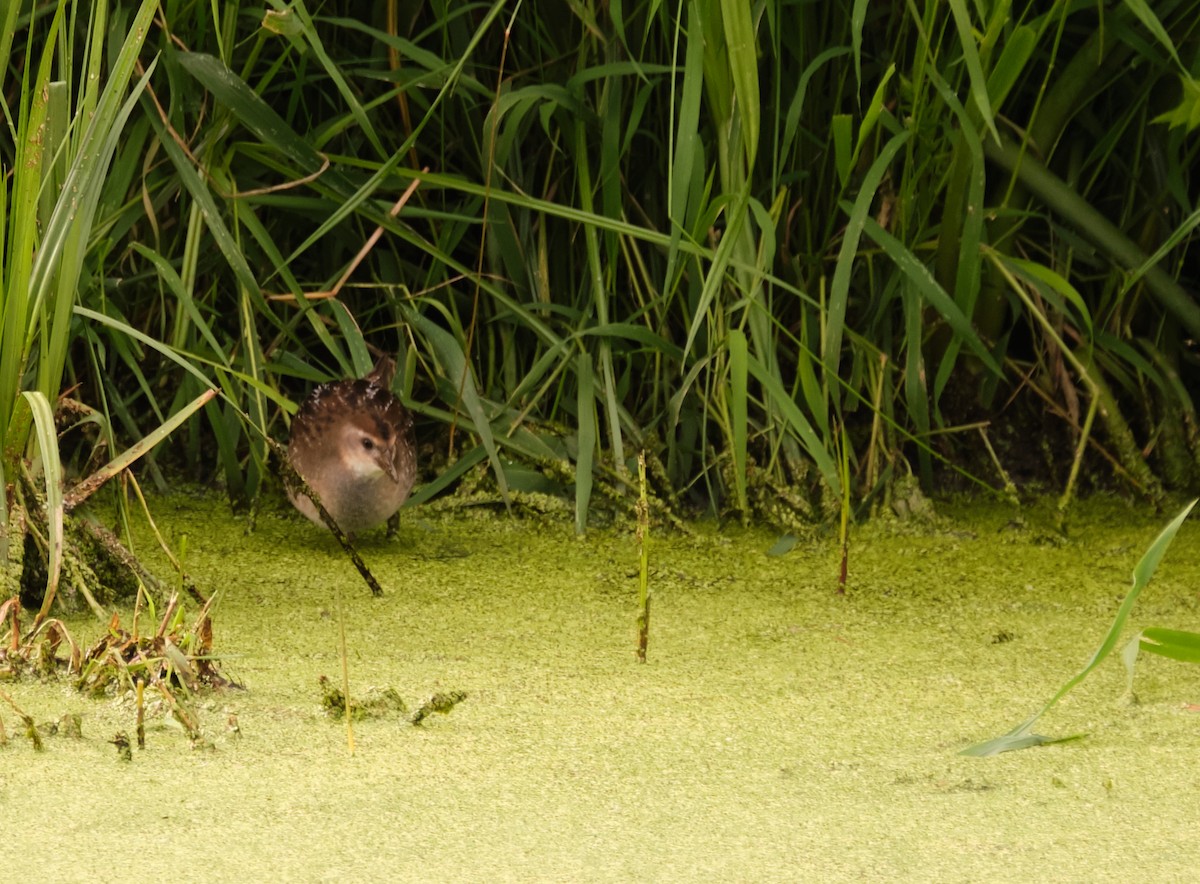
<point x="368" y="443"/>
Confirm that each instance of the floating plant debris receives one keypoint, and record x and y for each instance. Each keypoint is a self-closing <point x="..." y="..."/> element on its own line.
<point x="439" y="703"/>
<point x="384" y="703"/>
<point x="173" y="658"/>
<point x="124" y="750"/>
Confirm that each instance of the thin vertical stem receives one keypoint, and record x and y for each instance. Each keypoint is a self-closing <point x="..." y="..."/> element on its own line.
<point x="643" y="536"/>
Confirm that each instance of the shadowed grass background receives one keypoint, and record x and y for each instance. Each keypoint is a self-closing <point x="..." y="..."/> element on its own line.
<point x="796" y="247"/>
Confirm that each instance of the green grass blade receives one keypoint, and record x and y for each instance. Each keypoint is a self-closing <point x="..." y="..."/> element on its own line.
<point x="126" y="329"/>
<point x="213" y="218"/>
<point x="1117" y="245"/>
<point x="715" y="279"/>
<point x="1142" y="573"/>
<point x="1174" y="643"/>
<point x="47" y="441"/>
<point x="638" y="334"/>
<point x="446" y="479"/>
<point x="598" y="291"/>
<point x="351" y="336"/>
<point x="839" y="290"/>
<point x="586" y="421"/>
<point x="56" y="139"/>
<point x="1009" y="743"/>
<point x="313" y="38"/>
<point x="872" y="113"/>
<point x="21" y="236"/>
<point x="1018" y="49"/>
<point x="1053" y="287"/>
<point x="251" y="111"/>
<point x="796" y="104"/>
<point x="125" y="459"/>
<point x="1181" y="233"/>
<point x="979" y="84"/>
<point x="916" y="392"/>
<point x="842" y="129"/>
<point x="934" y="295"/>
<point x="454" y="363"/>
<point x="743" y="68"/>
<point x="687" y="145"/>
<point x="8" y="27"/>
<point x="183" y="296"/>
<point x="858" y="17"/>
<point x="1151" y="22"/>
<point x="739" y="412"/>
<point x="799" y="425"/>
<point x="65" y="242"/>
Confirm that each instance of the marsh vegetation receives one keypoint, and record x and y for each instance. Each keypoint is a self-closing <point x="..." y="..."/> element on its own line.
<point x="797" y="270"/>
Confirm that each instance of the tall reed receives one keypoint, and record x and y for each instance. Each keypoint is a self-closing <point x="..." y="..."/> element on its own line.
<point x="66" y="111"/>
<point x="797" y="251"/>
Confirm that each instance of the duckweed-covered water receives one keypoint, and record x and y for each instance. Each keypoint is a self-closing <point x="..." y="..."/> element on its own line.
<point x="779" y="732"/>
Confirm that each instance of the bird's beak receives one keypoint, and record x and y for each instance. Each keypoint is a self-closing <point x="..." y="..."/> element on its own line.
<point x="387" y="460"/>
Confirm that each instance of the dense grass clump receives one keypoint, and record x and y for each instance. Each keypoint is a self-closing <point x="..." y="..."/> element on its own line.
<point x="799" y="253"/>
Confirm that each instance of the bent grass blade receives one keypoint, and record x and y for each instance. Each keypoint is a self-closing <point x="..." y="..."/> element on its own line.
<point x="1020" y="736"/>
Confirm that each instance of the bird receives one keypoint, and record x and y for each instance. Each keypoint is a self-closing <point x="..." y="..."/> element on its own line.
<point x="352" y="442"/>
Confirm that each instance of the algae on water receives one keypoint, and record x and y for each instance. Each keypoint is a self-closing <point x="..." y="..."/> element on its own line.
<point x="776" y="726"/>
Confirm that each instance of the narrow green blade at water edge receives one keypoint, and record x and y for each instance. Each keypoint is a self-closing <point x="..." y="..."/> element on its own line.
<point x="1009" y="742"/>
<point x="1174" y="643"/>
<point x="1142" y="573"/>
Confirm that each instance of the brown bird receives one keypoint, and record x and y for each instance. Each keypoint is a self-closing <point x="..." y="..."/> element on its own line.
<point x="352" y="441"/>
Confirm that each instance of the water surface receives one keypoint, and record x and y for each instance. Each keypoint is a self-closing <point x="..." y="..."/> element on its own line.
<point x="779" y="731"/>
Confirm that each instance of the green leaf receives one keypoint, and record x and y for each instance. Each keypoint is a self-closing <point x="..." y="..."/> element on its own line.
<point x="871" y="115"/>
<point x="1142" y="573"/>
<point x="743" y="67"/>
<point x="284" y="22"/>
<point x="586" y="418"/>
<point x="796" y="104"/>
<point x="47" y="440"/>
<point x="842" y="129"/>
<point x="1178" y="235"/>
<point x="126" y="458"/>
<point x="738" y="406"/>
<point x="454" y="363"/>
<point x="466" y="461"/>
<point x="799" y="425"/>
<point x="336" y="75"/>
<point x="1174" y="643"/>
<point x="714" y="280"/>
<point x="930" y="291"/>
<point x="1018" y="49"/>
<point x="61" y="254"/>
<point x="1009" y="742"/>
<point x="183" y="296"/>
<point x="839" y="290"/>
<point x="1044" y="278"/>
<point x="260" y="118"/>
<point x="639" y="334"/>
<point x="207" y="205"/>
<point x="858" y="17"/>
<point x="687" y="144"/>
<point x="1150" y="21"/>
<point x="979" y="85"/>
